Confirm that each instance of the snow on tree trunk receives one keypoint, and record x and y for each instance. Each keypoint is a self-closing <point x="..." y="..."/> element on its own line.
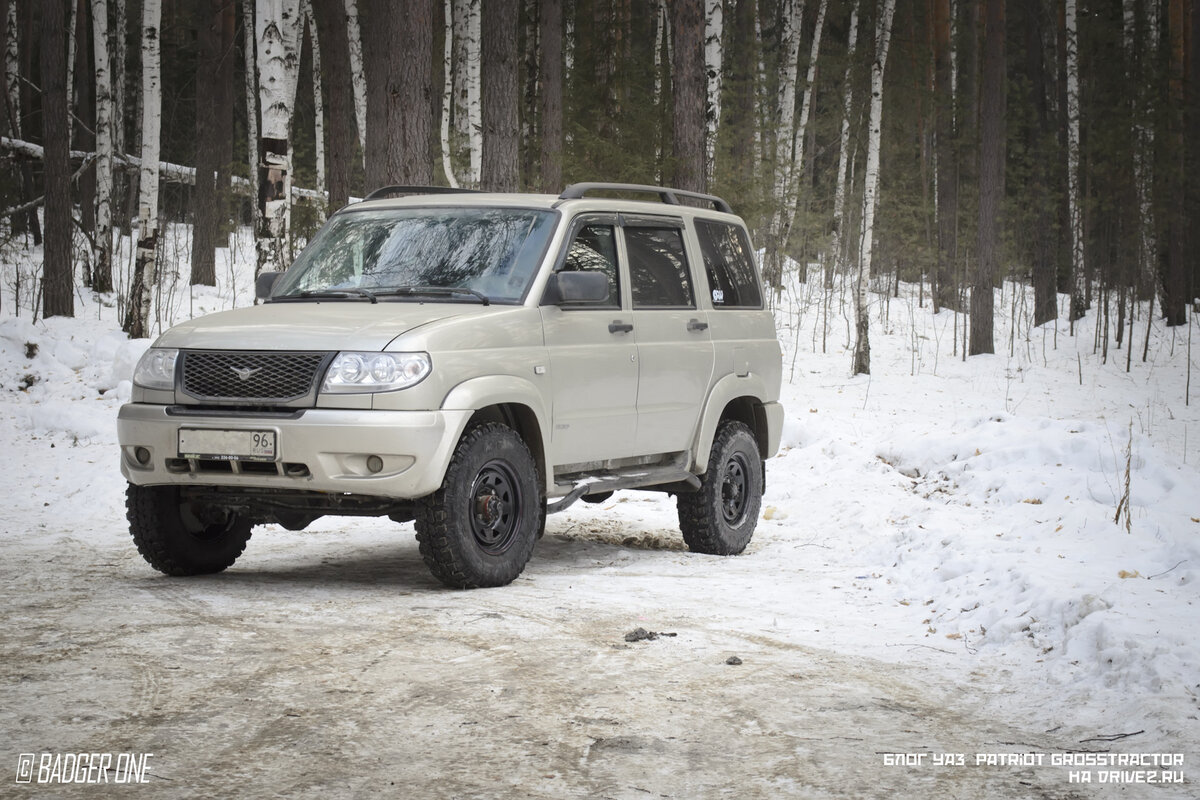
<point x="358" y="80"/>
<point x="102" y="247"/>
<point x="448" y="94"/>
<point x="713" y="31"/>
<point x="277" y="31"/>
<point x="838" y="244"/>
<point x="862" y="345"/>
<point x="1074" y="199"/>
<point x="137" y="323"/>
<point x="310" y="22"/>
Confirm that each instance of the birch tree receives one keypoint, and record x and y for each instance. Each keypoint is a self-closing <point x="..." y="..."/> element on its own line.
<point x="467" y="109"/>
<point x="58" y="286"/>
<point x="102" y="247"/>
<point x="447" y="93"/>
<point x="862" y="345"/>
<point x="1074" y="198"/>
<point x="838" y="244"/>
<point x="310" y="28"/>
<point x="714" y="30"/>
<point x="358" y="80"/>
<point x="137" y="322"/>
<point x="796" y="162"/>
<point x="252" y="154"/>
<point x="277" y="31"/>
<point x="791" y="17"/>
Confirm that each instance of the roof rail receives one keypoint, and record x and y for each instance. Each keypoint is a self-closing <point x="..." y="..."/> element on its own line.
<point x="388" y="191"/>
<point x="667" y="195"/>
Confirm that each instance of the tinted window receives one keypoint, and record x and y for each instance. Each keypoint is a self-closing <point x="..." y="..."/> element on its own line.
<point x="594" y="248"/>
<point x="658" y="267"/>
<point x="729" y="265"/>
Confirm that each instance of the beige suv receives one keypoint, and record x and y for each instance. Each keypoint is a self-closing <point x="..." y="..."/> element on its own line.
<point x="472" y="362"/>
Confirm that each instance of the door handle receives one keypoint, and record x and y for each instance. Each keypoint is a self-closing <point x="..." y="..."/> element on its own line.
<point x="697" y="325"/>
<point x="616" y="326"/>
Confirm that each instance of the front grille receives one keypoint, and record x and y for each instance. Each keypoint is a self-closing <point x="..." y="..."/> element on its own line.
<point x="250" y="377"/>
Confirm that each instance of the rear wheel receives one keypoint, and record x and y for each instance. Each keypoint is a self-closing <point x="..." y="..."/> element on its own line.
<point x="479" y="529"/>
<point x="179" y="535"/>
<point x="720" y="518"/>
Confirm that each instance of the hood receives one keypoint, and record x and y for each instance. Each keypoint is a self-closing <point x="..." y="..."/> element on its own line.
<point x="312" y="326"/>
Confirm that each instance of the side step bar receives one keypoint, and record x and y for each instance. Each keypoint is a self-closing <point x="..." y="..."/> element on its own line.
<point x="633" y="478"/>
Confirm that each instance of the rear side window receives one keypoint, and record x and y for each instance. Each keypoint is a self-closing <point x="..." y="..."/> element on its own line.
<point x="729" y="265"/>
<point x="658" y="268"/>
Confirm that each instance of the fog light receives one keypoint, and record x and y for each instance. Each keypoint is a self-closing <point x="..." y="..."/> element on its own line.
<point x="142" y="455"/>
<point x="374" y="464"/>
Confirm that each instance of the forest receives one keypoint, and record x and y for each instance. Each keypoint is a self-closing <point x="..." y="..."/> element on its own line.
<point x="953" y="144"/>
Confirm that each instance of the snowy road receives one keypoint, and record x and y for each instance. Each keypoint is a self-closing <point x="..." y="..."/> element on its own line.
<point x="330" y="664"/>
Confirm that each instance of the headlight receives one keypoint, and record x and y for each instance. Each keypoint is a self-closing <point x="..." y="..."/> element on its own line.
<point x="156" y="369"/>
<point x="353" y="373"/>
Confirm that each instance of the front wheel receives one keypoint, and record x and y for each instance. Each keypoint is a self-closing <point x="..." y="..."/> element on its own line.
<point x="179" y="535"/>
<point x="479" y="529"/>
<point x="720" y="518"/>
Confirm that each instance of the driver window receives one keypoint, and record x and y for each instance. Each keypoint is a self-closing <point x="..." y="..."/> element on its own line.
<point x="595" y="248"/>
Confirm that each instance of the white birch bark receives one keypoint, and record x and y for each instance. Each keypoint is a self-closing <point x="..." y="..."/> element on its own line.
<point x="72" y="23"/>
<point x="102" y="244"/>
<point x="147" y="241"/>
<point x="660" y="43"/>
<point x="839" y="191"/>
<point x="474" y="104"/>
<point x="277" y="30"/>
<point x="12" y="70"/>
<point x="251" y="115"/>
<point x="318" y="100"/>
<point x="1078" y="271"/>
<point x="791" y="17"/>
<point x="796" y="168"/>
<point x="448" y="94"/>
<point x="713" y="33"/>
<point x="883" y="33"/>
<point x="358" y="79"/>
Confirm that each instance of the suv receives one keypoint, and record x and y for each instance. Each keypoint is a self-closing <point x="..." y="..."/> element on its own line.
<point x="472" y="362"/>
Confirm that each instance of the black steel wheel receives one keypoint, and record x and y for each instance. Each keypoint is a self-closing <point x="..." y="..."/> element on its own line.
<point x="720" y="518"/>
<point x="178" y="534"/>
<point x="479" y="529"/>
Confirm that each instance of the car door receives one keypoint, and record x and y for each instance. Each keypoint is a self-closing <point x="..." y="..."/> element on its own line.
<point x="675" y="350"/>
<point x="593" y="356"/>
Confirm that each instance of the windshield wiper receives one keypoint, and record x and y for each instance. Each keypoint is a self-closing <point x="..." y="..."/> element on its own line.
<point x="434" y="291"/>
<point x="335" y="294"/>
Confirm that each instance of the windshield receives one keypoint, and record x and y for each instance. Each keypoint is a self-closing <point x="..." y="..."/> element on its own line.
<point x="488" y="252"/>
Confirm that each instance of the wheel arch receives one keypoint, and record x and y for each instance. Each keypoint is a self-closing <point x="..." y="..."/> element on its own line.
<point x="740" y="399"/>
<point x="511" y="401"/>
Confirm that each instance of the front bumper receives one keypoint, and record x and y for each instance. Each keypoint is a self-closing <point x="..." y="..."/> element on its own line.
<point x="318" y="449"/>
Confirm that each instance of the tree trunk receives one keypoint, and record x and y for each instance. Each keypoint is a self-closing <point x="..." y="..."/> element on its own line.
<point x="862" y="318"/>
<point x="791" y="15"/>
<point x="1079" y="304"/>
<point x="252" y="155"/>
<point x="85" y="123"/>
<point x="310" y="31"/>
<point x="1041" y="132"/>
<point x="466" y="139"/>
<point x="277" y="29"/>
<point x="1174" y="271"/>
<point x="16" y="64"/>
<point x="447" y="93"/>
<point x="797" y="161"/>
<point x="991" y="180"/>
<point x="714" y="30"/>
<point x="137" y="322"/>
<point x="687" y="124"/>
<point x="410" y="95"/>
<point x="550" y="25"/>
<point x="102" y="249"/>
<point x="358" y="79"/>
<point x="382" y="29"/>
<point x="840" y="238"/>
<point x="335" y="46"/>
<point x="499" y="168"/>
<point x="205" y="216"/>
<point x="58" y="286"/>
<point x="223" y="118"/>
<point x="945" y="293"/>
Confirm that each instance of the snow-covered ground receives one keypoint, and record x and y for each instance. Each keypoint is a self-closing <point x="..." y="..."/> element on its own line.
<point x="954" y="520"/>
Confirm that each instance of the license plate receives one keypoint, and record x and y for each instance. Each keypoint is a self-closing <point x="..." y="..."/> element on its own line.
<point x="227" y="445"/>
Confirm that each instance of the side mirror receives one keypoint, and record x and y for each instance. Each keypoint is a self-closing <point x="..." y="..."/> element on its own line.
<point x="264" y="283"/>
<point x="576" y="287"/>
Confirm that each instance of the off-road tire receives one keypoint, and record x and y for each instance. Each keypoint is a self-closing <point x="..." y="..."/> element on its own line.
<point x="720" y="518"/>
<point x="479" y="529"/>
<point x="171" y="538"/>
